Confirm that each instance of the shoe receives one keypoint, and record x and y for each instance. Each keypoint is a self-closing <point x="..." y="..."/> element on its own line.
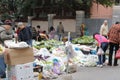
<point x="115" y="64"/>
<point x="104" y="64"/>
<point x="109" y="64"/>
<point x="98" y="65"/>
<point x="101" y="66"/>
<point x="3" y="76"/>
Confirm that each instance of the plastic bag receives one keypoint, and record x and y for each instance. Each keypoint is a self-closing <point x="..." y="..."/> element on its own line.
<point x="100" y="51"/>
<point x="117" y="54"/>
<point x="56" y="68"/>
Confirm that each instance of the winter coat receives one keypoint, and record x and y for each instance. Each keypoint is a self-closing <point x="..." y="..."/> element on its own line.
<point x="5" y="35"/>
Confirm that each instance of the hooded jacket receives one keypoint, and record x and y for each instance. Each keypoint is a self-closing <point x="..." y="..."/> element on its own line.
<point x="5" y="35"/>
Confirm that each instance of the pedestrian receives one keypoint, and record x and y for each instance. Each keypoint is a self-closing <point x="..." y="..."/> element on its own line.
<point x="104" y="28"/>
<point x="5" y="34"/>
<point x="102" y="43"/>
<point x="82" y="29"/>
<point x="60" y="31"/>
<point x="38" y="32"/>
<point x="25" y="33"/>
<point x="114" y="38"/>
<point x="52" y="32"/>
<point x="34" y="33"/>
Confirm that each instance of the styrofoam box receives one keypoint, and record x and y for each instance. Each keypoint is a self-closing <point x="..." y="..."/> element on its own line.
<point x="21" y="72"/>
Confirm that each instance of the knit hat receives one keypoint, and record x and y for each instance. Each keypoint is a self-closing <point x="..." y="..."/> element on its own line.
<point x="7" y="22"/>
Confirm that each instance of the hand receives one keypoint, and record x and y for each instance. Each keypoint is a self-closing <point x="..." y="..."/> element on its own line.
<point x="15" y="35"/>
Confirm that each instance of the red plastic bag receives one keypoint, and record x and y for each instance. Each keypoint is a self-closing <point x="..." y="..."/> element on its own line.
<point x="117" y="54"/>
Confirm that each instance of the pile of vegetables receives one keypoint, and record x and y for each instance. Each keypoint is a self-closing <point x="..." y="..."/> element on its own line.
<point x="83" y="40"/>
<point x="49" y="44"/>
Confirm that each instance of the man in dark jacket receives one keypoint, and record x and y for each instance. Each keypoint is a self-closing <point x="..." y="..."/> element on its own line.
<point x="60" y="31"/>
<point x="25" y="33"/>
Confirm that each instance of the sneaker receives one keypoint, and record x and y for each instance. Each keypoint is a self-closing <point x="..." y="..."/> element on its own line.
<point x="104" y="64"/>
<point x="98" y="65"/>
<point x="101" y="65"/>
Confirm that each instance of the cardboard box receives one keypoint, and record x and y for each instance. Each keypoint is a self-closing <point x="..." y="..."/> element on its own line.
<point x="21" y="72"/>
<point x="18" y="56"/>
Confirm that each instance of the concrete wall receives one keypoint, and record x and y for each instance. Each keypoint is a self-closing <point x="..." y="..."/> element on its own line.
<point x="93" y="25"/>
<point x="69" y="24"/>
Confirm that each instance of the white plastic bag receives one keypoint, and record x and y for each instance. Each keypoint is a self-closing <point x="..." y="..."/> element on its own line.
<point x="100" y="51"/>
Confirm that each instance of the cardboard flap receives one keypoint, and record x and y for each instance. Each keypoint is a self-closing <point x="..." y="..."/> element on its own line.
<point x="19" y="56"/>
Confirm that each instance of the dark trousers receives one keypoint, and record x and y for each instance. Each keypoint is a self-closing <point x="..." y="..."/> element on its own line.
<point x="113" y="47"/>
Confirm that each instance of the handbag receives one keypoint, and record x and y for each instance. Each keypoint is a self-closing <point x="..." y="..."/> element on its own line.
<point x="117" y="54"/>
<point x="100" y="51"/>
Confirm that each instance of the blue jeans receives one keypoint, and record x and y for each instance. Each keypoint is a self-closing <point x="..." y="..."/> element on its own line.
<point x="60" y="35"/>
<point x="102" y="58"/>
<point x="104" y="46"/>
<point x="2" y="65"/>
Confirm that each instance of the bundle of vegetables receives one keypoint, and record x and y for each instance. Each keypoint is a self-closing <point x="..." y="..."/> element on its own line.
<point x="49" y="44"/>
<point x="1" y="49"/>
<point x="83" y="40"/>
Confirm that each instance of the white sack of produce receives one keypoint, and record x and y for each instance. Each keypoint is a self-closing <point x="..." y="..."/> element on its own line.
<point x="76" y="50"/>
<point x="84" y="47"/>
<point x="12" y="44"/>
<point x="70" y="51"/>
<point x="58" y="52"/>
<point x="43" y="51"/>
<point x="89" y="60"/>
<point x="61" y="62"/>
<point x="23" y="44"/>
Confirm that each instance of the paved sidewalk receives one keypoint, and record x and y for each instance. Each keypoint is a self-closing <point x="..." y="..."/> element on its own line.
<point x="96" y="73"/>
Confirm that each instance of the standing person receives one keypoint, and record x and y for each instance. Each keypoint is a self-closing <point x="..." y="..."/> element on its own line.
<point x="104" y="28"/>
<point x="103" y="43"/>
<point x="38" y="33"/>
<point x="52" y="32"/>
<point x="25" y="33"/>
<point x="5" y="34"/>
<point x="60" y="30"/>
<point x="114" y="38"/>
<point x="82" y="29"/>
<point x="34" y="33"/>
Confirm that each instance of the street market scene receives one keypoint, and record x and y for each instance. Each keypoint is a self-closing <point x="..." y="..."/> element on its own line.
<point x="59" y="39"/>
